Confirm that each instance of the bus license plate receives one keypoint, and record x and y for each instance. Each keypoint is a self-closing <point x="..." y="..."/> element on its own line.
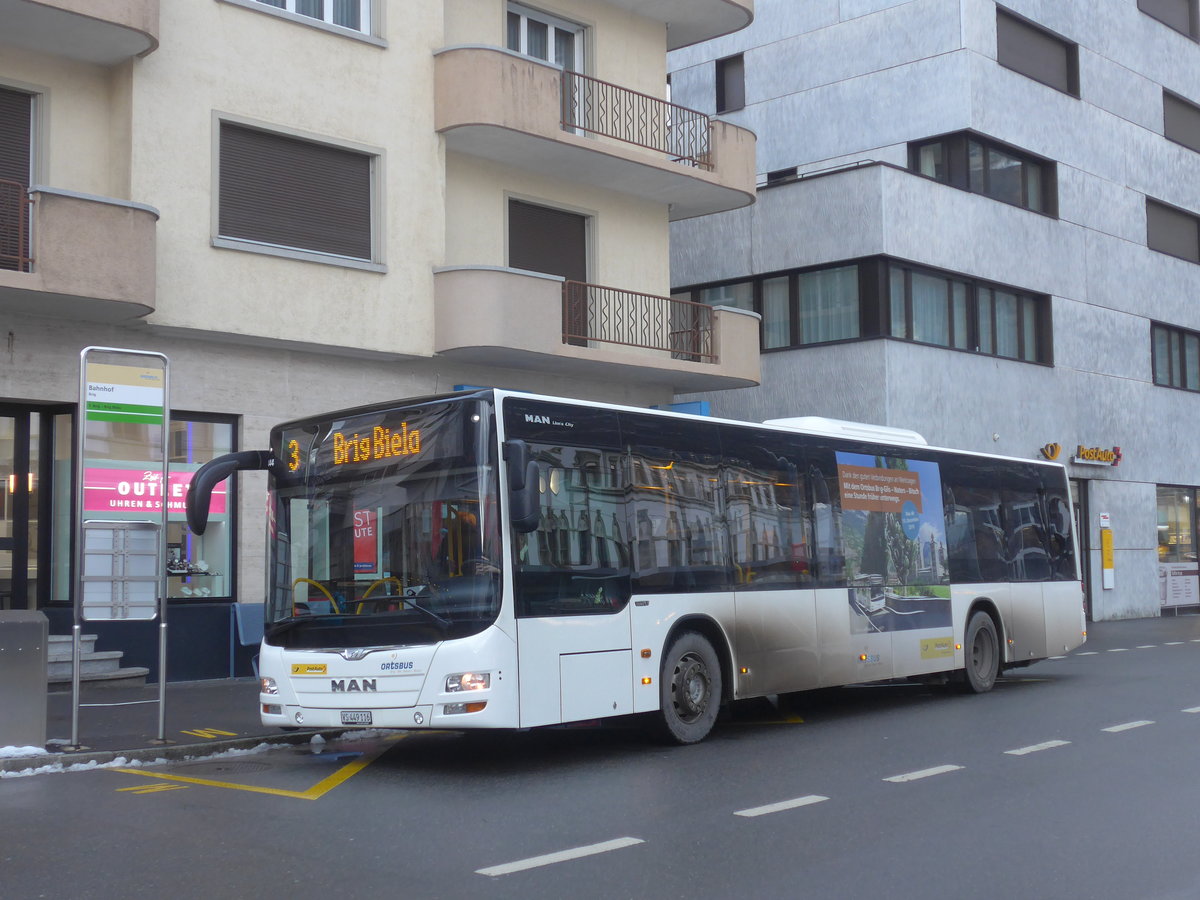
<point x="356" y="717"/>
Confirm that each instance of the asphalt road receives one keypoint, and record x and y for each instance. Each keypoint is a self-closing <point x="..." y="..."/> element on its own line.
<point x="1075" y="777"/>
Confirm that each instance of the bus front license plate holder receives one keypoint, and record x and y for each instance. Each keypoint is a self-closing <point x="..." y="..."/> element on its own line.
<point x="356" y="717"/>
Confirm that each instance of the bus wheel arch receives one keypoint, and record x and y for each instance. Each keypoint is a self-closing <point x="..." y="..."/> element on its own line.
<point x="691" y="684"/>
<point x="982" y="649"/>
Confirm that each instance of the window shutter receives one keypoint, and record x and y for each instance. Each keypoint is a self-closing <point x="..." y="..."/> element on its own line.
<point x="294" y="193"/>
<point x="1172" y="231"/>
<point x="1181" y="121"/>
<point x="15" y="135"/>
<point x="547" y="240"/>
<point x="1036" y="53"/>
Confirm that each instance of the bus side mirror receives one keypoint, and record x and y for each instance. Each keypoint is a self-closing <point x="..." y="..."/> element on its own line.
<point x="212" y="473"/>
<point x="523" y="507"/>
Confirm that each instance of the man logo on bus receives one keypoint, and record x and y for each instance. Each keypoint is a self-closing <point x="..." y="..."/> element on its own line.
<point x="537" y="420"/>
<point x="351" y="685"/>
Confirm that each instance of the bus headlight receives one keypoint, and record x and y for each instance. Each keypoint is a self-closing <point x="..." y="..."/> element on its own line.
<point x="468" y="681"/>
<point x="267" y="686"/>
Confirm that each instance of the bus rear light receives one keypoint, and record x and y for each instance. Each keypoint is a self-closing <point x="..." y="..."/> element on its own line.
<point x="468" y="681"/>
<point x="647" y="680"/>
<point x="455" y="709"/>
<point x="268" y="686"/>
<point x="958" y="646"/>
<point x="745" y="671"/>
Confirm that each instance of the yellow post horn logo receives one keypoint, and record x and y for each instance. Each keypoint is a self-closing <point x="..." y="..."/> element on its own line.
<point x="1051" y="451"/>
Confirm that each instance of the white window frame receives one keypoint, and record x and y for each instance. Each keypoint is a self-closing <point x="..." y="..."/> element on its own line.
<point x="370" y="17"/>
<point x="554" y="24"/>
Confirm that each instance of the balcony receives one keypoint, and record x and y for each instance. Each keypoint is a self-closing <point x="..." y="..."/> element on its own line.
<point x="523" y="320"/>
<point x="75" y="256"/>
<point x="521" y="112"/>
<point x="104" y="32"/>
<point x="692" y="21"/>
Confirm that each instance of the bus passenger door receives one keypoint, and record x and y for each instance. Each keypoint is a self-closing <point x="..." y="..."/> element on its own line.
<point x="574" y="667"/>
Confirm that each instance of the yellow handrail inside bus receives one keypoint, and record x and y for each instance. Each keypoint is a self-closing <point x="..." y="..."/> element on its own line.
<point x="320" y="587"/>
<point x="391" y="579"/>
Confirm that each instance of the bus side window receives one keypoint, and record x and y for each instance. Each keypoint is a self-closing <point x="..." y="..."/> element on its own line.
<point x="829" y="557"/>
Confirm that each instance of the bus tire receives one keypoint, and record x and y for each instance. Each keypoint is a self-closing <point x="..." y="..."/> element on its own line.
<point x="982" y="650"/>
<point x="689" y="689"/>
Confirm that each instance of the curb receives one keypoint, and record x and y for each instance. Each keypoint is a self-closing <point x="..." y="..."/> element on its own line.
<point x="167" y="752"/>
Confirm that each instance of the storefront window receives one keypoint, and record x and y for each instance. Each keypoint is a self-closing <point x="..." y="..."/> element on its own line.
<point x="1177" y="574"/>
<point x="199" y="566"/>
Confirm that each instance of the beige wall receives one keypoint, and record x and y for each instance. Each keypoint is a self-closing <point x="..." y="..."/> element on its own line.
<point x="79" y="108"/>
<point x="629" y="237"/>
<point x="223" y="58"/>
<point x="622" y="48"/>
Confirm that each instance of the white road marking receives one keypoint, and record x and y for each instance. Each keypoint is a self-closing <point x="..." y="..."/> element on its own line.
<point x="1173" y="643"/>
<point x="1055" y="657"/>
<point x="1146" y="646"/>
<point x="781" y="805"/>
<point x="923" y="773"/>
<point x="1034" y="748"/>
<point x="1192" y="709"/>
<point x="1196" y="640"/>
<point x="1127" y="725"/>
<point x="1117" y="649"/>
<point x="1088" y="653"/>
<point x="561" y="856"/>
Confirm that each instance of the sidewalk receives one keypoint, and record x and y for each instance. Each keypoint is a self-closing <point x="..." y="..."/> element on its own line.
<point x="207" y="717"/>
<point x="202" y="718"/>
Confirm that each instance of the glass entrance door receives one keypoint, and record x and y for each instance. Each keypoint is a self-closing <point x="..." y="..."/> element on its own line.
<point x="1079" y="500"/>
<point x="14" y="512"/>
<point x="26" y="456"/>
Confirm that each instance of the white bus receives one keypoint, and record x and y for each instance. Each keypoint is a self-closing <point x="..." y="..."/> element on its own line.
<point x="493" y="559"/>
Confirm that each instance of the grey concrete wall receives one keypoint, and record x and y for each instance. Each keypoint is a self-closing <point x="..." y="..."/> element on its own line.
<point x="830" y="83"/>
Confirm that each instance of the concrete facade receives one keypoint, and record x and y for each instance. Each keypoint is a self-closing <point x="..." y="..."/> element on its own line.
<point x="838" y="90"/>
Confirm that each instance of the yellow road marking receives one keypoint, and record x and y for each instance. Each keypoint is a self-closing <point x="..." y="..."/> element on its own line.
<point x="210" y="733"/>
<point x="153" y="788"/>
<point x="318" y="790"/>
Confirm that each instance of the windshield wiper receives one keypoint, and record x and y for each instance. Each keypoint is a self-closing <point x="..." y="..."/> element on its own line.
<point x="408" y="601"/>
<point x="285" y="625"/>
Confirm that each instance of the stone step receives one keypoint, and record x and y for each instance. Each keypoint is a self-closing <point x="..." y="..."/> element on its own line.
<point x="89" y="664"/>
<point x="59" y="646"/>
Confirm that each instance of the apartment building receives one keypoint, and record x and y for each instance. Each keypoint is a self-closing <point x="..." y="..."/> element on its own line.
<point x="314" y="204"/>
<point x="980" y="221"/>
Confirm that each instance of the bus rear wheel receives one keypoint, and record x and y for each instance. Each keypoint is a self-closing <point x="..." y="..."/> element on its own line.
<point x="982" y="654"/>
<point x="689" y="689"/>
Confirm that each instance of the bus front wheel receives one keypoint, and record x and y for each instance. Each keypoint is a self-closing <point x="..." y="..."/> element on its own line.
<point x="689" y="689"/>
<point x="983" y="654"/>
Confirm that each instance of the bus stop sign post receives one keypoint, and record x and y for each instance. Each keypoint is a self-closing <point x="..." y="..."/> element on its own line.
<point x="120" y="536"/>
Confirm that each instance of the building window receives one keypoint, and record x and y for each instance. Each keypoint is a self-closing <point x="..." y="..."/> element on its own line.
<point x="295" y="194"/>
<point x="1176" y="357"/>
<point x="931" y="308"/>
<point x="16" y="140"/>
<point x="542" y="36"/>
<point x="731" y="84"/>
<point x="200" y="567"/>
<point x="543" y="239"/>
<point x="1181" y="121"/>
<point x="1178" y="14"/>
<point x="983" y="166"/>
<point x="1173" y="231"/>
<point x="352" y="14"/>
<point x="1036" y="53"/>
<point x="880" y="297"/>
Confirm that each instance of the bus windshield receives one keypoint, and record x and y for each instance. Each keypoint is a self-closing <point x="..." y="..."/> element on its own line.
<point x="383" y="527"/>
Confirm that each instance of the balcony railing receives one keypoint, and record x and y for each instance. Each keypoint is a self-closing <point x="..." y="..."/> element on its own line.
<point x="597" y="107"/>
<point x="14" y="226"/>
<point x="612" y="316"/>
